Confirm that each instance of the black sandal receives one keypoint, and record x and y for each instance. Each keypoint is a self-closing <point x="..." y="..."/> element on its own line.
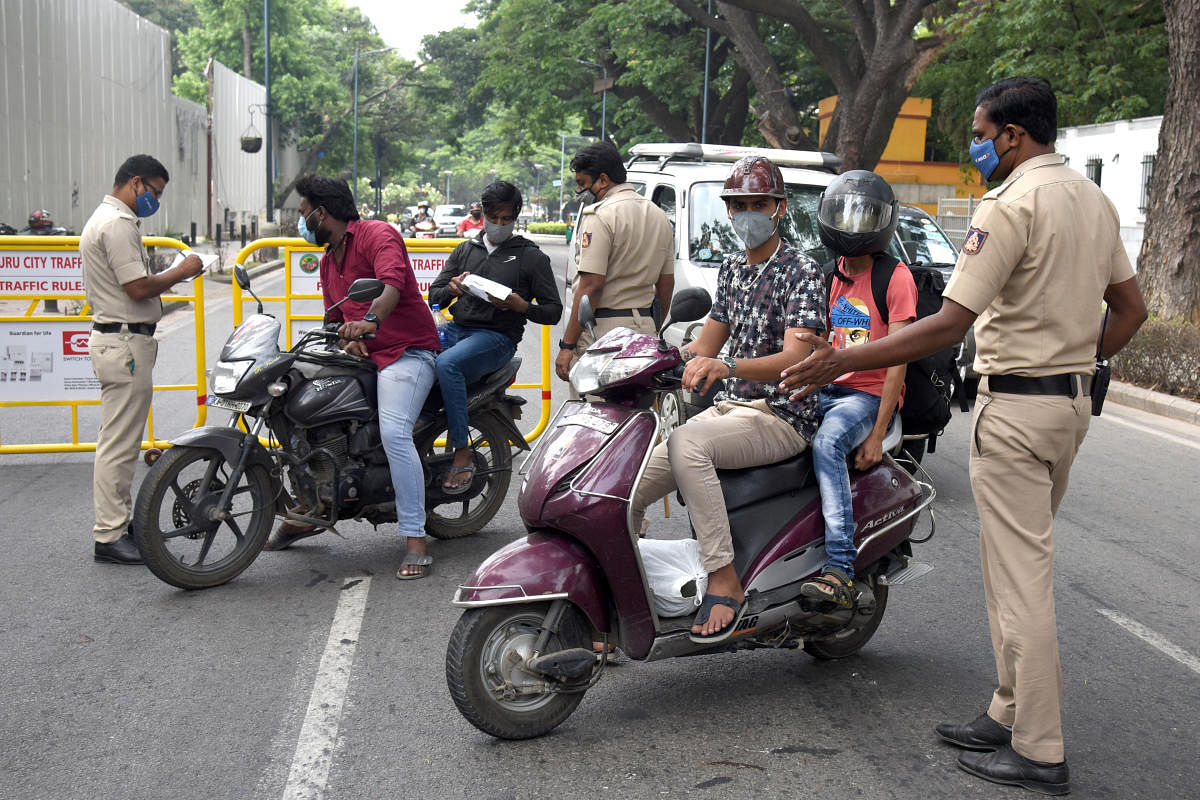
<point x="832" y="586"/>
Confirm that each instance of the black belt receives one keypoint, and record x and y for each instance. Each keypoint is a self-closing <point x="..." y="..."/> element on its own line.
<point x="144" y="328"/>
<point x="1050" y="384"/>
<point x="602" y="313"/>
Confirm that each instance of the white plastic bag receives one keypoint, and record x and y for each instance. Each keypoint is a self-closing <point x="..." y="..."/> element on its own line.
<point x="673" y="567"/>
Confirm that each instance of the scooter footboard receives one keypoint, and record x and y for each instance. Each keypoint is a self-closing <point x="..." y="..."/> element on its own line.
<point x="540" y="566"/>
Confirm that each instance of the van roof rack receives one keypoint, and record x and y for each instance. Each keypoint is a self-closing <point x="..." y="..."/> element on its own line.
<point x="664" y="152"/>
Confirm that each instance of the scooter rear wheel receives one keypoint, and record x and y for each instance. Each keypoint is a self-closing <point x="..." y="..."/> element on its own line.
<point x="849" y="642"/>
<point x="172" y="527"/>
<point x="485" y="677"/>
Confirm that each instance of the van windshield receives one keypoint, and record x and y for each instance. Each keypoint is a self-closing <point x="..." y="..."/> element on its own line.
<point x="711" y="238"/>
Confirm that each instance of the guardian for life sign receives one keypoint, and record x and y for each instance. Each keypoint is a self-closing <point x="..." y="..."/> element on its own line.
<point x="46" y="361"/>
<point x="40" y="272"/>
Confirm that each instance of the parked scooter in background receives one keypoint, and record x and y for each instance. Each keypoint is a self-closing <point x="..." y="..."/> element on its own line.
<point x="521" y="655"/>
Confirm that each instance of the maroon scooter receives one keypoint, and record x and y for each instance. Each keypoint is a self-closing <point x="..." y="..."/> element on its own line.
<point x="521" y="656"/>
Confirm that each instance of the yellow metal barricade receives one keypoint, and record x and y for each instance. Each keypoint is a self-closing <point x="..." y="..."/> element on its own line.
<point x="60" y="278"/>
<point x="295" y="291"/>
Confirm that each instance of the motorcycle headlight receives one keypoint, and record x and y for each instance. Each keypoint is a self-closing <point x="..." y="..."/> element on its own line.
<point x="224" y="377"/>
<point x="597" y="370"/>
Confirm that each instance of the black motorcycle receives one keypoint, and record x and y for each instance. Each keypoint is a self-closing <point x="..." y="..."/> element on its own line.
<point x="206" y="507"/>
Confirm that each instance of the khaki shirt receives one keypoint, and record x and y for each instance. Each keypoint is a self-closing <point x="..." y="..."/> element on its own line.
<point x="1034" y="266"/>
<point x="628" y="240"/>
<point x="113" y="255"/>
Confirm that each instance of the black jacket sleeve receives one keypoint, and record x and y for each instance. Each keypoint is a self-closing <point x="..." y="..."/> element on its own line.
<point x="548" y="308"/>
<point x="439" y="290"/>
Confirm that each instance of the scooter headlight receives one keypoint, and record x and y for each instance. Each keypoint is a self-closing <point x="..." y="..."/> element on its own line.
<point x="596" y="370"/>
<point x="225" y="376"/>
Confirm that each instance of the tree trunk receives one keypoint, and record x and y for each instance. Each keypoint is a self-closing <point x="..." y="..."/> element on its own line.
<point x="247" y="49"/>
<point x="1169" y="264"/>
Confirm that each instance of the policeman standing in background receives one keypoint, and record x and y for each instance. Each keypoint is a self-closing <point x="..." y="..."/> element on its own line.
<point x="625" y="245"/>
<point x="1043" y="250"/>
<point x="124" y="296"/>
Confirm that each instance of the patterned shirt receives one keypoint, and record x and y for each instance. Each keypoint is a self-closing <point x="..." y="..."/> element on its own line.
<point x="759" y="302"/>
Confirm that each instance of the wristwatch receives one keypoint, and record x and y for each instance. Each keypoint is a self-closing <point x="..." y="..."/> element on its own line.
<point x="564" y="346"/>
<point x="371" y="317"/>
<point x="731" y="363"/>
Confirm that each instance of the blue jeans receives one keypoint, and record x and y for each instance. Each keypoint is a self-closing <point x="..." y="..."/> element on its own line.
<point x="470" y="354"/>
<point x="847" y="417"/>
<point x="402" y="388"/>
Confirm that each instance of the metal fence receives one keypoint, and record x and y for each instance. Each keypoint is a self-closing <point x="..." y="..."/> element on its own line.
<point x="954" y="215"/>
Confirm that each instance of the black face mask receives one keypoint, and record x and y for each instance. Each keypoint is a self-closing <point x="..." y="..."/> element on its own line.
<point x="476" y="214"/>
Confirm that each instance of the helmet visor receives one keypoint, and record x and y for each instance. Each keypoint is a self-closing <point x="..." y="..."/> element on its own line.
<point x="854" y="213"/>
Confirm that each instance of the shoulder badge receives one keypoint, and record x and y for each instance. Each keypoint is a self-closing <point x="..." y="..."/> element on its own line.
<point x="974" y="241"/>
<point x="585" y="239"/>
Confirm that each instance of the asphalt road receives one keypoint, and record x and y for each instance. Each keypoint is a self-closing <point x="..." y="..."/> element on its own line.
<point x="118" y="686"/>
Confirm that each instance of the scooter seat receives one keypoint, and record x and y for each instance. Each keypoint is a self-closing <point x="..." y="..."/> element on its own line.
<point x="743" y="487"/>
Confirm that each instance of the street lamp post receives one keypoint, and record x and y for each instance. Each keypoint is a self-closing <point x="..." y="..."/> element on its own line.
<point x="421" y="182"/>
<point x="603" y="94"/>
<point x="537" y="180"/>
<point x="448" y="173"/>
<point x="357" y="55"/>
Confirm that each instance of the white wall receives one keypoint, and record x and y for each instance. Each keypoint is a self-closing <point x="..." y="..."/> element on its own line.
<point x="1121" y="147"/>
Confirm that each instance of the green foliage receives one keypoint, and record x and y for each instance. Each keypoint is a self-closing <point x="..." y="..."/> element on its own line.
<point x="549" y="228"/>
<point x="1106" y="60"/>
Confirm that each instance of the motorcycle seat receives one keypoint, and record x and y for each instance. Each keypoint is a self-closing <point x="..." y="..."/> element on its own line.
<point x="489" y="383"/>
<point x="743" y="487"/>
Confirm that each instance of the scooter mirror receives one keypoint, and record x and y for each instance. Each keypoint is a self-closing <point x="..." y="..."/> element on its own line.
<point x="242" y="277"/>
<point x="365" y="289"/>
<point x="587" y="317"/>
<point x="690" y="304"/>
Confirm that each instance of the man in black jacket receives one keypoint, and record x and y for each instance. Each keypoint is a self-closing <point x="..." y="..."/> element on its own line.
<point x="485" y="333"/>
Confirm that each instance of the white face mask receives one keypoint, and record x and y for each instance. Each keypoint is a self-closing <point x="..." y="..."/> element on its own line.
<point x="498" y="234"/>
<point x="754" y="227"/>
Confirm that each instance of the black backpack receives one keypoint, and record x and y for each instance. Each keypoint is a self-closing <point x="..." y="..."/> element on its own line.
<point x="929" y="382"/>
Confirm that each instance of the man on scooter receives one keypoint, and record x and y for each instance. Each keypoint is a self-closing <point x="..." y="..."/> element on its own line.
<point x="765" y="297"/>
<point x="856" y="218"/>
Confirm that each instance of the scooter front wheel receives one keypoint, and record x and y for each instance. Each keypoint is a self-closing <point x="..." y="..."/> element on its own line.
<point x="485" y="675"/>
<point x="177" y="525"/>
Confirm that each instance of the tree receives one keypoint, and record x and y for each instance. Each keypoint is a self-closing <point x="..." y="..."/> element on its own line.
<point x="1169" y="264"/>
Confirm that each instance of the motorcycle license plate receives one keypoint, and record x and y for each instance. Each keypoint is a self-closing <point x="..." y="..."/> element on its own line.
<point x="229" y="405"/>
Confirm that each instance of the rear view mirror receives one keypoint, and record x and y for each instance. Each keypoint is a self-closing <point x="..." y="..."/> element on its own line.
<point x="587" y="317"/>
<point x="365" y="289"/>
<point x="242" y="277"/>
<point x="690" y="304"/>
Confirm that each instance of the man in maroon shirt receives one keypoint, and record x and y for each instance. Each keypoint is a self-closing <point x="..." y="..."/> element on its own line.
<point x="404" y="347"/>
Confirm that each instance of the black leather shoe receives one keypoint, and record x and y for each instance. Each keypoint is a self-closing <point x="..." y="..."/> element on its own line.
<point x="982" y="733"/>
<point x="122" y="551"/>
<point x="288" y="533"/>
<point x="1009" y="767"/>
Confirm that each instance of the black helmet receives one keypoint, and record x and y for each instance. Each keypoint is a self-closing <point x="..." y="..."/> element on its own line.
<point x="857" y="213"/>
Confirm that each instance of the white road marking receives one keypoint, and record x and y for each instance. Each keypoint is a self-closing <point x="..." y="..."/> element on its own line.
<point x="1192" y="443"/>
<point x="1154" y="639"/>
<point x="319" y="733"/>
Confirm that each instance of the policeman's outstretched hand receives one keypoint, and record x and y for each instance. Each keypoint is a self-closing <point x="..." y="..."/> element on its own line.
<point x="701" y="371"/>
<point x="812" y="373"/>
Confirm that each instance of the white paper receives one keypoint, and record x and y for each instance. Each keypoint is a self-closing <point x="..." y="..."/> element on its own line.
<point x="486" y="289"/>
<point x="207" y="259"/>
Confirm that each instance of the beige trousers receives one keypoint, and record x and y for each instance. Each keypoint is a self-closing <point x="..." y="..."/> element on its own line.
<point x="637" y="322"/>
<point x="124" y="365"/>
<point x="1021" y="455"/>
<point x="728" y="435"/>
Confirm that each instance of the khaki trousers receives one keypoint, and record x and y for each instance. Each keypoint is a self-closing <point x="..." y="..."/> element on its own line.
<point x="124" y="365"/>
<point x="728" y="435"/>
<point x="1021" y="455"/>
<point x="637" y="322"/>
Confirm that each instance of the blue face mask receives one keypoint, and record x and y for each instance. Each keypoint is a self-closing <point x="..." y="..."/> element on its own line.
<point x="305" y="233"/>
<point x="147" y="203"/>
<point x="985" y="158"/>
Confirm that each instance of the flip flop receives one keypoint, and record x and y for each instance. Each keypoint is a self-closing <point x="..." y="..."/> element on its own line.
<point x="410" y="559"/>
<point x="706" y="607"/>
<point x="462" y="487"/>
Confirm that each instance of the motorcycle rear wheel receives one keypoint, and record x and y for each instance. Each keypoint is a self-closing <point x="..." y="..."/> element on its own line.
<point x="184" y="484"/>
<point x="483" y="659"/>
<point x="456" y="516"/>
<point x="849" y="642"/>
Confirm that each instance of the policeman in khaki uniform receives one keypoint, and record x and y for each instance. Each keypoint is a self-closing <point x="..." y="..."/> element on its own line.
<point x="1042" y="252"/>
<point x="626" y="254"/>
<point x="124" y="297"/>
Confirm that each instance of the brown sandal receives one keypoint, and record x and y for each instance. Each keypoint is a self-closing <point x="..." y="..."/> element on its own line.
<point x="832" y="586"/>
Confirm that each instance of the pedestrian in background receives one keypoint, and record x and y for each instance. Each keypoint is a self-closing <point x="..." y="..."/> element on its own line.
<point x="125" y="298"/>
<point x="626" y="247"/>
<point x="1044" y="248"/>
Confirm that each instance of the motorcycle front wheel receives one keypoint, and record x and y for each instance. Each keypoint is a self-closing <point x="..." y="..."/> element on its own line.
<point x="486" y="679"/>
<point x="451" y="516"/>
<point x="173" y="524"/>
